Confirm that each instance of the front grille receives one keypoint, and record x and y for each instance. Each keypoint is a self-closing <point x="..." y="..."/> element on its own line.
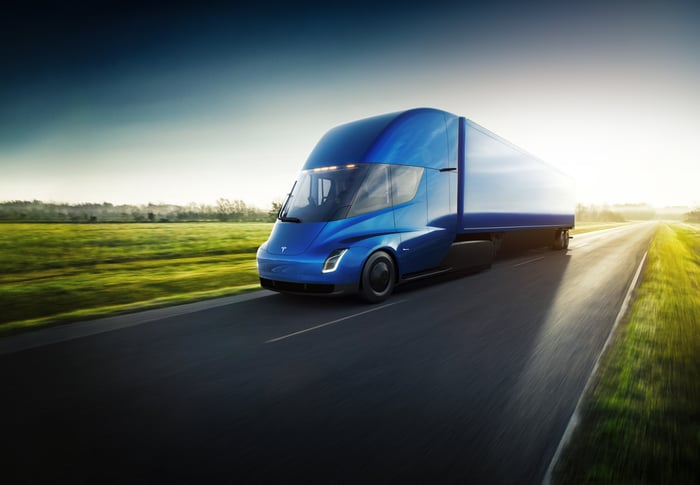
<point x="295" y="287"/>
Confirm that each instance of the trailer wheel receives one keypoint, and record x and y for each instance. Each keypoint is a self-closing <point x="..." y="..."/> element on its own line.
<point x="497" y="240"/>
<point x="561" y="240"/>
<point x="378" y="277"/>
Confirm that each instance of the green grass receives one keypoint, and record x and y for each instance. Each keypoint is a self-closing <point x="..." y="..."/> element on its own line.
<point x="53" y="273"/>
<point x="641" y="420"/>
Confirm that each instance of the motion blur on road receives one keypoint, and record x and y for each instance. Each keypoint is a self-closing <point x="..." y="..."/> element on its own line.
<point x="467" y="379"/>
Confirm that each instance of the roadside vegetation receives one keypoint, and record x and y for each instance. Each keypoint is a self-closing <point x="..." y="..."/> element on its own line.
<point x="693" y="216"/>
<point x="224" y="210"/>
<point x="618" y="213"/>
<point x="53" y="273"/>
<point x="640" y="422"/>
<point x="59" y="263"/>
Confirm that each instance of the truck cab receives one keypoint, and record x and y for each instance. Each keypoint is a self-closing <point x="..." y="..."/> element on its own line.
<point x="376" y="195"/>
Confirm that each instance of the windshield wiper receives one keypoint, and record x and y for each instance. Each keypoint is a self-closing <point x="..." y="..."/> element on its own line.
<point x="283" y="209"/>
<point x="289" y="219"/>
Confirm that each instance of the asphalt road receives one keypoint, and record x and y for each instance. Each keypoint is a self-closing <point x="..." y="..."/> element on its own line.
<point x="459" y="380"/>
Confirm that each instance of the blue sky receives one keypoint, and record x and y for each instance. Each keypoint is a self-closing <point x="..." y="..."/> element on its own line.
<point x="188" y="102"/>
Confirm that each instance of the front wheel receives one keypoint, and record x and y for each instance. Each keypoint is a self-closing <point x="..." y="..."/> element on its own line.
<point x="378" y="278"/>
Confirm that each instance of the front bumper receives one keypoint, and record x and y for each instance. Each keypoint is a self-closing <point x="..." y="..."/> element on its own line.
<point x="307" y="288"/>
<point x="303" y="274"/>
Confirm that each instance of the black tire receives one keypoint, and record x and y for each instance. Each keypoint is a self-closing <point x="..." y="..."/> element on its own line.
<point x="378" y="278"/>
<point x="497" y="240"/>
<point x="561" y="240"/>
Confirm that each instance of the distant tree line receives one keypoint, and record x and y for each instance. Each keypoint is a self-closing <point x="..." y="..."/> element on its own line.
<point x="239" y="211"/>
<point x="693" y="216"/>
<point x="224" y="210"/>
<point x="593" y="213"/>
<point x="633" y="212"/>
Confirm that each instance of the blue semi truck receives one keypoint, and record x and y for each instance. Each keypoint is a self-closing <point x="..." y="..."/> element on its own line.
<point x="392" y="198"/>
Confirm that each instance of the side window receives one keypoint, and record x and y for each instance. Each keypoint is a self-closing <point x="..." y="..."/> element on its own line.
<point x="404" y="182"/>
<point x="324" y="188"/>
<point x="374" y="193"/>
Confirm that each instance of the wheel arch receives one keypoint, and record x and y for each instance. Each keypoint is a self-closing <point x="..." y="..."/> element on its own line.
<point x="394" y="259"/>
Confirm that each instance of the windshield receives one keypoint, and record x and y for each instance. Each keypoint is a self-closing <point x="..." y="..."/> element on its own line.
<point x="337" y="192"/>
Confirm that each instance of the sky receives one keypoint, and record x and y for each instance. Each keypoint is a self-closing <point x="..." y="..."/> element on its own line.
<point x="181" y="102"/>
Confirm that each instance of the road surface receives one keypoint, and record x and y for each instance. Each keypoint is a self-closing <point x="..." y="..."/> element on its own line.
<point x="459" y="380"/>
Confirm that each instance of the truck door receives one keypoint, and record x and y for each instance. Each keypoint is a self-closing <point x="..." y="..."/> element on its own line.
<point x="426" y="220"/>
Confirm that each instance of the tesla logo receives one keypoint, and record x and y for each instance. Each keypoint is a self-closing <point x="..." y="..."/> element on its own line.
<point x="284" y="248"/>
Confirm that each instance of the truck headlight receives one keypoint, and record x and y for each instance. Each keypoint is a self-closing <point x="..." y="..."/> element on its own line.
<point x="332" y="261"/>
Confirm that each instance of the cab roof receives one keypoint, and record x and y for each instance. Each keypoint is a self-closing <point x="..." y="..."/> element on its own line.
<point x="425" y="137"/>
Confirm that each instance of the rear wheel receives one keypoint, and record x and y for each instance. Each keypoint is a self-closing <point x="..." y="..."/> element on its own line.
<point x="561" y="239"/>
<point x="378" y="277"/>
<point x="497" y="240"/>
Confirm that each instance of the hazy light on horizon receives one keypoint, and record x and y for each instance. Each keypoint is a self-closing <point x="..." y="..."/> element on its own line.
<point x="607" y="95"/>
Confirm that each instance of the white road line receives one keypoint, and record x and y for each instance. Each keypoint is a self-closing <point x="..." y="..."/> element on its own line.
<point x="576" y="416"/>
<point x="528" y="262"/>
<point x="333" y="321"/>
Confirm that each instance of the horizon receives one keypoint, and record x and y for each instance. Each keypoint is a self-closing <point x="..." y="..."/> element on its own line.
<point x="603" y="205"/>
<point x="175" y="104"/>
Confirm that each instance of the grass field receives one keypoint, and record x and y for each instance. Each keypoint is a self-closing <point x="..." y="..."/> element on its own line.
<point x="53" y="273"/>
<point x="641" y="420"/>
<point x="63" y="272"/>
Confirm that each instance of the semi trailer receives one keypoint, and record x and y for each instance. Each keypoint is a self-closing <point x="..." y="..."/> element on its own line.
<point x="392" y="198"/>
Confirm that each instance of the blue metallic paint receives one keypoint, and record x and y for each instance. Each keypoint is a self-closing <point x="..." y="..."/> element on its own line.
<point x="417" y="234"/>
<point x="511" y="186"/>
<point x="287" y="238"/>
<point x="415" y="137"/>
<point x="504" y="221"/>
<point x="362" y="235"/>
